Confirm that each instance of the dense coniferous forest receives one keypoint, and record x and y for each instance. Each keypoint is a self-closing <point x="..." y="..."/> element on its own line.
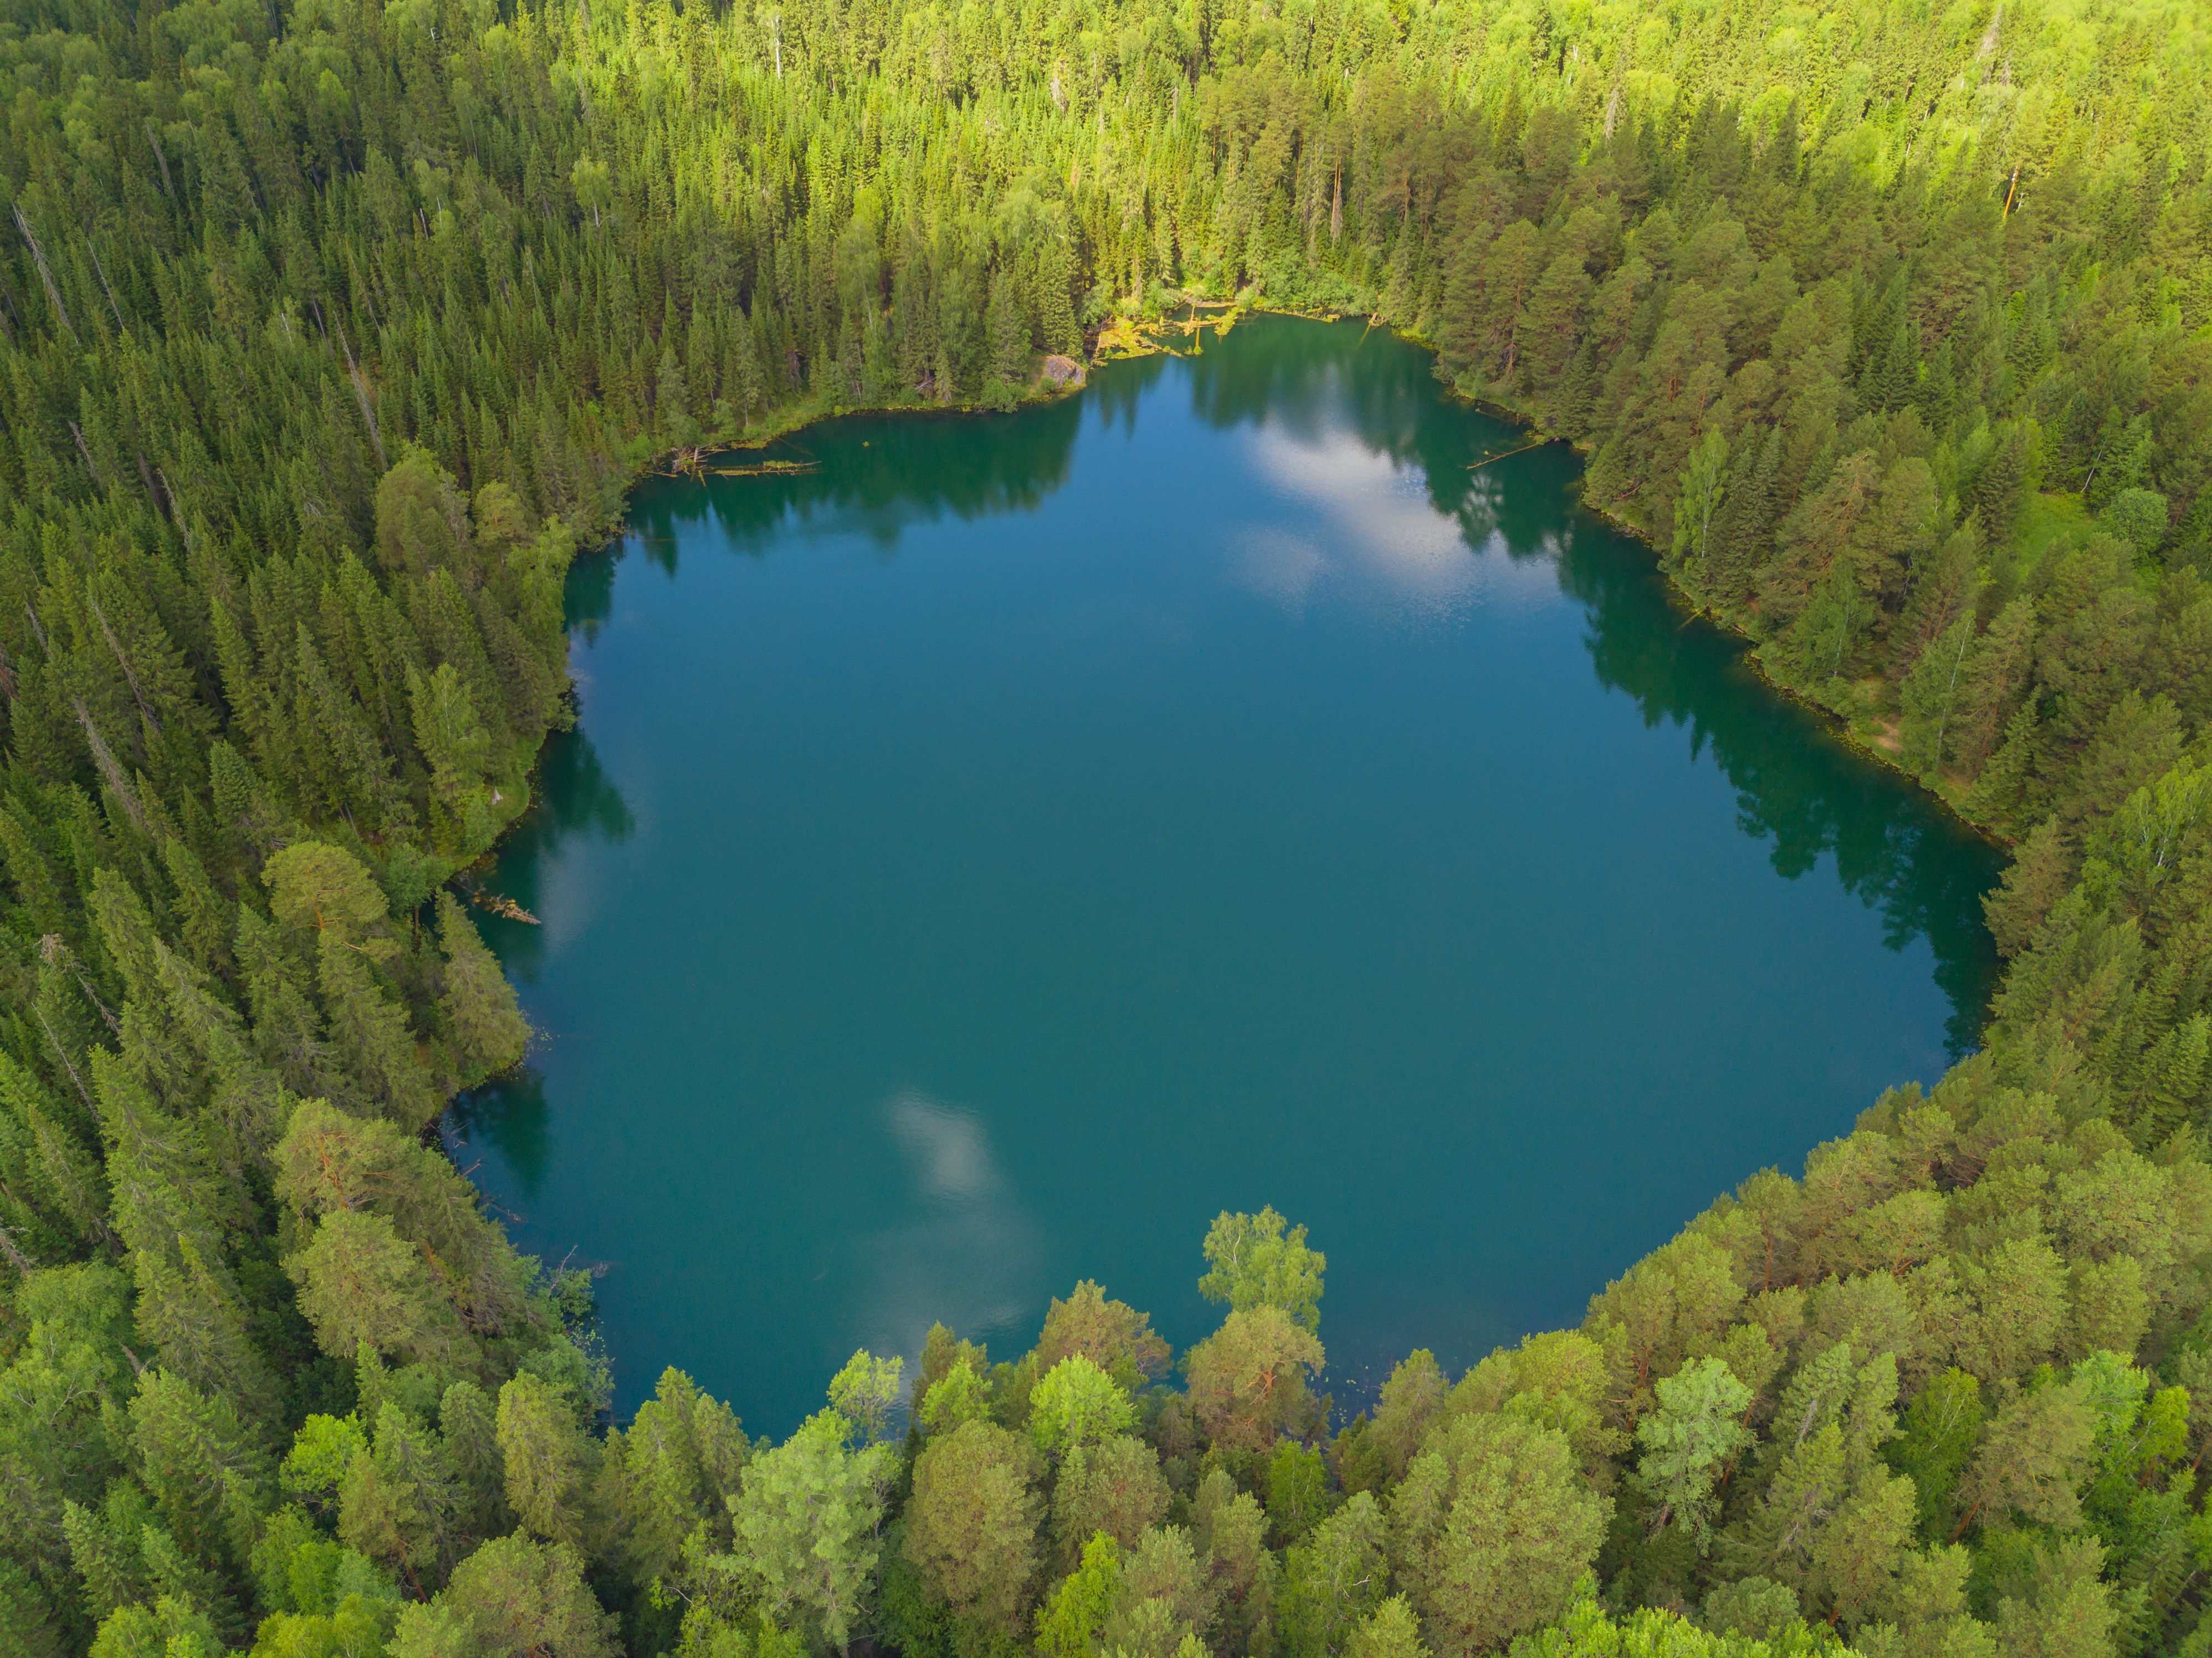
<point x="330" y="330"/>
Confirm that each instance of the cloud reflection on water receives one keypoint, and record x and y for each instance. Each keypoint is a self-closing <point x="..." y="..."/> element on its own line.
<point x="1382" y="532"/>
<point x="966" y="1253"/>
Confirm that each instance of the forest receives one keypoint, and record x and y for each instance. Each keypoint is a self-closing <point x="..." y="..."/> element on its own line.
<point x="331" y="330"/>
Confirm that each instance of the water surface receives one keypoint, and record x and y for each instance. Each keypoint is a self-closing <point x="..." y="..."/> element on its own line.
<point x="984" y="857"/>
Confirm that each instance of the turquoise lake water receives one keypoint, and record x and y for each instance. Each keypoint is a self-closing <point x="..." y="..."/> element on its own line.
<point x="985" y="856"/>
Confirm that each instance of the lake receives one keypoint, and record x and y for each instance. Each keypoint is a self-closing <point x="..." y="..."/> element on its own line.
<point x="983" y="857"/>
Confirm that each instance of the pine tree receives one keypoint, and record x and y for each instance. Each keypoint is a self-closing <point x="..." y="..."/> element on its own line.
<point x="190" y="1314"/>
<point x="1739" y="539"/>
<point x="401" y="1503"/>
<point x="549" y="1462"/>
<point x="468" y="1432"/>
<point x="106" y="1556"/>
<point x="1996" y="673"/>
<point x="361" y="1282"/>
<point x="1007" y="333"/>
<point x="489" y="1032"/>
<point x="1932" y="697"/>
<point x="209" y="1475"/>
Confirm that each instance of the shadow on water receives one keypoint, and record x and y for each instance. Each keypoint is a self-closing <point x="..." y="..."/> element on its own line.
<point x="1798" y="787"/>
<point x="575" y="797"/>
<point x="508" y="1116"/>
<point x="874" y="475"/>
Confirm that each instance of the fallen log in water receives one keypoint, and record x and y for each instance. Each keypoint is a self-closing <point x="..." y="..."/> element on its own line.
<point x="501" y="905"/>
<point x="766" y="469"/>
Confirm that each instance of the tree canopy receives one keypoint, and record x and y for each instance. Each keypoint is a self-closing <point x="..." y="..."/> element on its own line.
<point x="330" y="330"/>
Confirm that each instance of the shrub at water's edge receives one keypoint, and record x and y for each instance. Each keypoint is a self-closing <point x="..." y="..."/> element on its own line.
<point x="330" y="330"/>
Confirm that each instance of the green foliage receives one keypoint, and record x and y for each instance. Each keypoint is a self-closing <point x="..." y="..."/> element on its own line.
<point x="511" y="1597"/>
<point x="1332" y="1580"/>
<point x="328" y="1600"/>
<point x="1687" y="1443"/>
<point x="959" y="1395"/>
<point x="1252" y="1261"/>
<point x="1588" y="1631"/>
<point x="1491" y="1531"/>
<point x="1248" y="1380"/>
<point x="1389" y="1631"/>
<point x="804" y="1527"/>
<point x="549" y="1461"/>
<point x="971" y="1525"/>
<point x="332" y="332"/>
<point x="1298" y="1497"/>
<point x="1068" y="1624"/>
<point x="1111" y="1334"/>
<point x="664" y="1482"/>
<point x="1075" y="1405"/>
<point x="864" y="1392"/>
<point x="1937" y="1436"/>
<point x="1115" y="1487"/>
<point x="2032" y="1458"/>
<point x="1165" y="1601"/>
<point x="488" y="1033"/>
<point x="708" y="1635"/>
<point x="170" y="1629"/>
<point x="321" y="1456"/>
<point x="208" y="1474"/>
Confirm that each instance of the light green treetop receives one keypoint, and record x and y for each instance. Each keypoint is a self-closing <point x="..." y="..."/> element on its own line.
<point x="1077" y="1404"/>
<point x="1688" y="1442"/>
<point x="1260" y="1260"/>
<point x="864" y="1392"/>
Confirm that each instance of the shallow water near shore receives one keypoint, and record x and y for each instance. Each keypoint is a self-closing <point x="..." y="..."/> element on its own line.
<point x="984" y="857"/>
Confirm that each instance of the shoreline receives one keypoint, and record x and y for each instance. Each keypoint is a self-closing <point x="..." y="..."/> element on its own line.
<point x="1131" y="338"/>
<point x="1839" y="724"/>
<point x="1357" y="1389"/>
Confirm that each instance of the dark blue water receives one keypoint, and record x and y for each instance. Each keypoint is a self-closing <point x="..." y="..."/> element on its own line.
<point x="984" y="857"/>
